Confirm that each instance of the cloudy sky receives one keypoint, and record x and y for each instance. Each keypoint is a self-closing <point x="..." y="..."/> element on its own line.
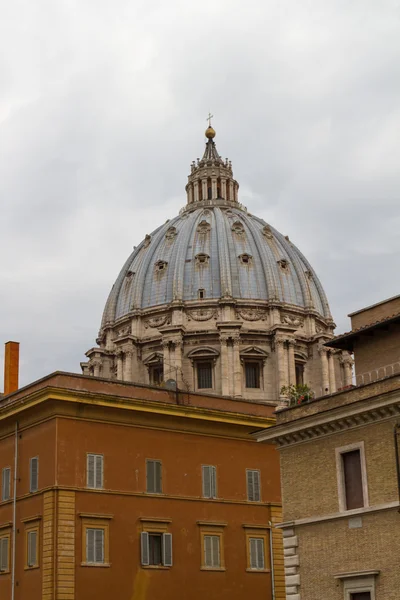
<point x="103" y="106"/>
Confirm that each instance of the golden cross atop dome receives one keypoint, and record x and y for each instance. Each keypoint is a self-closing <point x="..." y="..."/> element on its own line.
<point x="210" y="132"/>
<point x="210" y="116"/>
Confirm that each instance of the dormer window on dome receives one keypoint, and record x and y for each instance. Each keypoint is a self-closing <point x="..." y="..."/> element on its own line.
<point x="203" y="227"/>
<point x="171" y="233"/>
<point x="284" y="264"/>
<point x="238" y="228"/>
<point x="202" y="259"/>
<point x="160" y="265"/>
<point x="246" y="259"/>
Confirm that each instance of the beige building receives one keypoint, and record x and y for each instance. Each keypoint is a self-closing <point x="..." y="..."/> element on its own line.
<point x="340" y="473"/>
<point x="219" y="301"/>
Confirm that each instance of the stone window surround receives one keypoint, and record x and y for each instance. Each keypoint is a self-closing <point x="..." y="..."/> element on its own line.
<point x="340" y="473"/>
<point x="360" y="581"/>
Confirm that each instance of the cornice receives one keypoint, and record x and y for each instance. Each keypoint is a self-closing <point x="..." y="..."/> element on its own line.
<point x="350" y="416"/>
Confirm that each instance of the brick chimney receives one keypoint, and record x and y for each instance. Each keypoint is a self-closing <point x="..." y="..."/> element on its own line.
<point x="11" y="367"/>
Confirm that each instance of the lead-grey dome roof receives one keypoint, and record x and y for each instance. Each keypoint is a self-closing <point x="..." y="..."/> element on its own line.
<point x="221" y="250"/>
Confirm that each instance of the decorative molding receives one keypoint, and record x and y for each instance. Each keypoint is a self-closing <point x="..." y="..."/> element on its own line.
<point x="292" y="320"/>
<point x="157" y="321"/>
<point x="203" y="227"/>
<point x="171" y="233"/>
<point x="267" y="232"/>
<point x="202" y="314"/>
<point x="251" y="314"/>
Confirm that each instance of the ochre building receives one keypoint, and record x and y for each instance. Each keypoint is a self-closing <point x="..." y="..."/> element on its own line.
<point x="132" y="492"/>
<point x="341" y="474"/>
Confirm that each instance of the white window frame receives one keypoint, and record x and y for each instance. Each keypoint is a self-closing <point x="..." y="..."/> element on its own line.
<point x="340" y="475"/>
<point x="212" y="470"/>
<point x="33" y="489"/>
<point x="214" y="565"/>
<point x="96" y="530"/>
<point x="256" y="558"/>
<point x="5" y="497"/>
<point x="357" y="583"/>
<point x="259" y="484"/>
<point x="96" y="485"/>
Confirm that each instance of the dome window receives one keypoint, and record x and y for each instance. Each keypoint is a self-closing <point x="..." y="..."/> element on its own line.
<point x="267" y="232"/>
<point x="130" y="274"/>
<point x="201" y="294"/>
<point x="202" y="259"/>
<point x="171" y="233"/>
<point x="246" y="259"/>
<point x="284" y="264"/>
<point x="203" y="227"/>
<point x="238" y="228"/>
<point x="161" y="265"/>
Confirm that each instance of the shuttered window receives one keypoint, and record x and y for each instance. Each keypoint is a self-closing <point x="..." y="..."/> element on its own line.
<point x="204" y="375"/>
<point x="4" y="554"/>
<point x="209" y="481"/>
<point x="6" y="484"/>
<point x="34" y="474"/>
<point x="252" y="372"/>
<point x="156" y="549"/>
<point x="212" y="554"/>
<point x="253" y="485"/>
<point x="94" y="471"/>
<point x="256" y="549"/>
<point x="353" y="486"/>
<point x="153" y="476"/>
<point x="94" y="545"/>
<point x="32" y="553"/>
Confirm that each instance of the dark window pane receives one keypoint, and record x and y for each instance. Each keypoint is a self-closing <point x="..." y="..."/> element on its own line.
<point x="156" y="375"/>
<point x="204" y="375"/>
<point x="353" y="479"/>
<point x="361" y="596"/>
<point x="252" y="375"/>
<point x="299" y="374"/>
<point x="155" y="549"/>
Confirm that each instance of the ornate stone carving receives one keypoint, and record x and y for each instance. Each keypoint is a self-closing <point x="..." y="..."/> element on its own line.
<point x="246" y="259"/>
<point x="203" y="227"/>
<point x="202" y="259"/>
<point x="124" y="331"/>
<point x="147" y="241"/>
<point x="171" y="233"/>
<point x="238" y="228"/>
<point x="267" y="232"/>
<point x="201" y="314"/>
<point x="293" y="320"/>
<point x="156" y="322"/>
<point x="284" y="264"/>
<point x="251" y="314"/>
<point x="160" y="266"/>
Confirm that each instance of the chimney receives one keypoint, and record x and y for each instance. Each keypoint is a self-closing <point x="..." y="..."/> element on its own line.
<point x="11" y="367"/>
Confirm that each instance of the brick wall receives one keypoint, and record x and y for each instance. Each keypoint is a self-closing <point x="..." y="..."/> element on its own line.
<point x="375" y="313"/>
<point x="378" y="350"/>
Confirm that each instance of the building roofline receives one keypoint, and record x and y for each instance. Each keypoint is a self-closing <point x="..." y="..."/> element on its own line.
<point x="356" y="312"/>
<point x="345" y="341"/>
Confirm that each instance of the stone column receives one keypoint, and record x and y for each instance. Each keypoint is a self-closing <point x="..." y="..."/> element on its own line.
<point x="96" y="368"/>
<point x="282" y="370"/>
<point x="190" y="194"/>
<point x="237" y="367"/>
<point x="196" y="191"/>
<point x="292" y="364"/>
<point x="324" y="370"/>
<point x="168" y="371"/>
<point x="223" y="188"/>
<point x="231" y="194"/>
<point x="236" y="192"/>
<point x="120" y="364"/>
<point x="178" y="347"/>
<point x="214" y="187"/>
<point x="128" y="365"/>
<point x="347" y="364"/>
<point x="332" y="378"/>
<point x="204" y="188"/>
<point x="224" y="365"/>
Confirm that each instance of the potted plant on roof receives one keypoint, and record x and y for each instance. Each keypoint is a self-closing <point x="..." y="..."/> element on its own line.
<point x="297" y="394"/>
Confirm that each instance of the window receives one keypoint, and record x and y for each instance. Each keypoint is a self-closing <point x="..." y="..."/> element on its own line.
<point x="154" y="476"/>
<point x="212" y="554"/>
<point x="252" y="372"/>
<point x="94" y="545"/>
<point x="361" y="596"/>
<point x="352" y="477"/>
<point x="34" y="474"/>
<point x="95" y="540"/>
<point x="94" y="471"/>
<point x="201" y="294"/>
<point x="156" y="549"/>
<point x="253" y="485"/>
<point x="299" y="367"/>
<point x="204" y="375"/>
<point x="358" y="585"/>
<point x="212" y="547"/>
<point x="209" y="481"/>
<point x="4" y="553"/>
<point x="156" y="374"/>
<point x="256" y="551"/>
<point x="6" y="484"/>
<point x="32" y="546"/>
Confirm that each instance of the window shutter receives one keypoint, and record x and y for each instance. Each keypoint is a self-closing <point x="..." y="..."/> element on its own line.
<point x="215" y="551"/>
<point x="206" y="482"/>
<point x="150" y="476"/>
<point x="90" y="470"/>
<point x="213" y="482"/>
<point x="158" y="476"/>
<point x="99" y="471"/>
<point x="5" y="483"/>
<point x="99" y="545"/>
<point x="353" y="479"/>
<point x="260" y="554"/>
<point x="167" y="549"/>
<point x="32" y="547"/>
<point x="208" y="551"/>
<point x="144" y="542"/>
<point x="253" y="553"/>
<point x="250" y="486"/>
<point x="256" y="486"/>
<point x="34" y="474"/>
<point x="90" y="556"/>
<point x="4" y="554"/>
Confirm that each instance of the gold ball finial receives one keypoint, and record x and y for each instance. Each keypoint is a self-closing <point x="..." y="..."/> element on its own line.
<point x="210" y="133"/>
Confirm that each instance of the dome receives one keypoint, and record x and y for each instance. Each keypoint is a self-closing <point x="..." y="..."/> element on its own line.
<point x="214" y="252"/>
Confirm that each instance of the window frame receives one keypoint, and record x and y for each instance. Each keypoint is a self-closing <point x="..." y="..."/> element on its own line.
<point x="94" y="486"/>
<point x="33" y="489"/>
<point x="161" y="528"/>
<point x="96" y="523"/>
<point x="213" y="481"/>
<point x="261" y="532"/>
<point x="32" y="527"/>
<point x="340" y="476"/>
<point x="211" y="373"/>
<point x="5" y="534"/>
<point x="258" y="471"/>
<point x="154" y="460"/>
<point x="258" y="363"/>
<point x="207" y="530"/>
<point x="3" y="471"/>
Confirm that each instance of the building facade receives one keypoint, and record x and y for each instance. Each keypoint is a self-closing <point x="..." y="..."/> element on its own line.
<point x="135" y="492"/>
<point x="219" y="301"/>
<point x="340" y="474"/>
